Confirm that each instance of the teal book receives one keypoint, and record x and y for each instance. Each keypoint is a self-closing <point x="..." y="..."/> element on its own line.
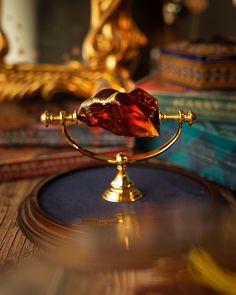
<point x="204" y="148"/>
<point x="211" y="105"/>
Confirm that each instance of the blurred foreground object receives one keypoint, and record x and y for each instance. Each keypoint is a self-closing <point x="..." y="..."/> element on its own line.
<point x="210" y="274"/>
<point x="200" y="64"/>
<point x="140" y="249"/>
<point x="110" y="51"/>
<point x="178" y="249"/>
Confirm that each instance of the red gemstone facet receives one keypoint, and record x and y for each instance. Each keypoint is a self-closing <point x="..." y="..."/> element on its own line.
<point x="130" y="114"/>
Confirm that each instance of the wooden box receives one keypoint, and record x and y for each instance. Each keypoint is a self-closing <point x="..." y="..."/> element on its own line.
<point x="200" y="65"/>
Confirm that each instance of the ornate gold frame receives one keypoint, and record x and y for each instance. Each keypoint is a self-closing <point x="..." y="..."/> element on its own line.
<point x="109" y="50"/>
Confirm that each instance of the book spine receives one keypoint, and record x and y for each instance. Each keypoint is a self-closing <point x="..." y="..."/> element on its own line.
<point x="43" y="168"/>
<point x="206" y="109"/>
<point x="54" y="138"/>
<point x="51" y="164"/>
<point x="204" y="163"/>
<point x="205" y="153"/>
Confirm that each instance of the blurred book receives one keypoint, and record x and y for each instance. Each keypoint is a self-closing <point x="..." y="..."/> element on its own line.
<point x="19" y="163"/>
<point x="20" y="126"/>
<point x="29" y="149"/>
<point x="205" y="148"/>
<point x="14" y="114"/>
<point x="212" y="105"/>
<point x="39" y="135"/>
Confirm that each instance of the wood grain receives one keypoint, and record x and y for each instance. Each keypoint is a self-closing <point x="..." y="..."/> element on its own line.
<point x="14" y="246"/>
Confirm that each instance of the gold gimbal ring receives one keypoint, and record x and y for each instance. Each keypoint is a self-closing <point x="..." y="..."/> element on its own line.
<point x="122" y="188"/>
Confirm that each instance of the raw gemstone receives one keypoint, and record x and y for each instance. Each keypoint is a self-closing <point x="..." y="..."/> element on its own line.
<point x="130" y="114"/>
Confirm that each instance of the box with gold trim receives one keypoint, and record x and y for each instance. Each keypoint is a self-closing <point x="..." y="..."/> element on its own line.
<point x="200" y="64"/>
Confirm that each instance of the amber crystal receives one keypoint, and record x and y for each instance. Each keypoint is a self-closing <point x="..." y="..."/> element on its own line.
<point x="131" y="114"/>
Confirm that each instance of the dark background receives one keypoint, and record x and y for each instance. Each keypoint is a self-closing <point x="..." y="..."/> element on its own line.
<point x="62" y="26"/>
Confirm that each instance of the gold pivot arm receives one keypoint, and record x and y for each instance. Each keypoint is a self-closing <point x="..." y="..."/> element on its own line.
<point x="182" y="117"/>
<point x="187" y="117"/>
<point x="47" y="118"/>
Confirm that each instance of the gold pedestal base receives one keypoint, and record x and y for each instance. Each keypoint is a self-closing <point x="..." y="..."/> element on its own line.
<point x="129" y="194"/>
<point x="122" y="188"/>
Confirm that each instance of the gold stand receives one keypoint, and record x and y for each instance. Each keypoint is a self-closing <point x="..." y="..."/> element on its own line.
<point x="122" y="188"/>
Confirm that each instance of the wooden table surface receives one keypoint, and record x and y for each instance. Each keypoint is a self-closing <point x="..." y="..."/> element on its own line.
<point x="14" y="246"/>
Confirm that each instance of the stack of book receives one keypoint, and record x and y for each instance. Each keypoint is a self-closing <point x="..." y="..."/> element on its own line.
<point x="208" y="147"/>
<point x="28" y="149"/>
<point x="211" y="105"/>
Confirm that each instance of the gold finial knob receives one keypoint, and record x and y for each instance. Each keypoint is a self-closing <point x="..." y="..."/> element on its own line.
<point x="47" y="118"/>
<point x="187" y="117"/>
